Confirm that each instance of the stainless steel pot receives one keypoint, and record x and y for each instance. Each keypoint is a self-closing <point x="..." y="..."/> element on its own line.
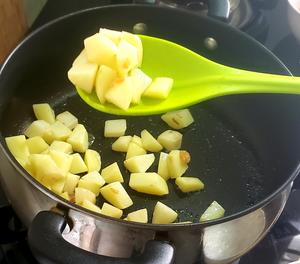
<point x="220" y="243"/>
<point x="261" y="120"/>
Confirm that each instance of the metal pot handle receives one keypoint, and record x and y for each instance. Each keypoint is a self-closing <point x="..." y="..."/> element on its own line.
<point x="218" y="9"/>
<point x="48" y="246"/>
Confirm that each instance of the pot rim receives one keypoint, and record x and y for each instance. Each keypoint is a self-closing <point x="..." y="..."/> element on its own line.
<point x="161" y="227"/>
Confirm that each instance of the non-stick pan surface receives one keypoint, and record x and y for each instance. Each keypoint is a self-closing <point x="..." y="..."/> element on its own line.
<point x="228" y="159"/>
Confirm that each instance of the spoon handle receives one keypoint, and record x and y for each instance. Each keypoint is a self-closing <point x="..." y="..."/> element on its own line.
<point x="235" y="82"/>
<point x="249" y="82"/>
<point x="240" y="82"/>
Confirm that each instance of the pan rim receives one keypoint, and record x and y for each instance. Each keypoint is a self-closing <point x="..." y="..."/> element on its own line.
<point x="166" y="227"/>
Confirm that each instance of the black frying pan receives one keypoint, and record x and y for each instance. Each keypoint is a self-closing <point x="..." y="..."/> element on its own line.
<point x="243" y="147"/>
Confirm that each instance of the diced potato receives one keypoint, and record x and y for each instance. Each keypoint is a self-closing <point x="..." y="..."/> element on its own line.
<point x="115" y="128"/>
<point x="178" y="162"/>
<point x="140" y="82"/>
<point x="127" y="58"/>
<point x="89" y="185"/>
<point x="22" y="162"/>
<point x="111" y="211"/>
<point x="71" y="183"/>
<point x="163" y="214"/>
<point x="79" y="139"/>
<point x="48" y="137"/>
<point x="61" y="146"/>
<point x="92" y="181"/>
<point x="121" y="144"/>
<point x="45" y="151"/>
<point x="83" y="76"/>
<point x="81" y="58"/>
<point x="36" y="145"/>
<point x="94" y="176"/>
<point x="189" y="184"/>
<point x="92" y="160"/>
<point x="58" y="187"/>
<point x="57" y="131"/>
<point x="113" y="35"/>
<point x="68" y="119"/>
<point x="104" y="80"/>
<point x="78" y="165"/>
<point x="44" y="112"/>
<point x="149" y="142"/>
<point x="115" y="194"/>
<point x="163" y="170"/>
<point x="90" y="206"/>
<point x="139" y="163"/>
<point x="136" y="42"/>
<point x="137" y="140"/>
<point x="37" y="128"/>
<point x="62" y="160"/>
<point x="134" y="150"/>
<point x="112" y="173"/>
<point x="45" y="169"/>
<point x="101" y="50"/>
<point x="148" y="182"/>
<point x="65" y="195"/>
<point x="170" y="139"/>
<point x="82" y="194"/>
<point x="18" y="147"/>
<point x="159" y="88"/>
<point x="140" y="216"/>
<point x="178" y="119"/>
<point x="214" y="211"/>
<point x="60" y="131"/>
<point x="27" y="166"/>
<point x="120" y="93"/>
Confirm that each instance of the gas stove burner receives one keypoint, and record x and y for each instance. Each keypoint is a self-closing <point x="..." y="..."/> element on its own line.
<point x="245" y="15"/>
<point x="240" y="14"/>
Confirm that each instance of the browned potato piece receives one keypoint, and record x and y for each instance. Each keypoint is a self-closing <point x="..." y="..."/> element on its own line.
<point x="178" y="162"/>
<point x="116" y="195"/>
<point x="178" y="119"/>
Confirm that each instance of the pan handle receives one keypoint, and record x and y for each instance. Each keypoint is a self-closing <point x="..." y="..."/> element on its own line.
<point x="219" y="9"/>
<point x="48" y="246"/>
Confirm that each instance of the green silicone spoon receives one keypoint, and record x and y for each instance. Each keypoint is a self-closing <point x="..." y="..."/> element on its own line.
<point x="196" y="79"/>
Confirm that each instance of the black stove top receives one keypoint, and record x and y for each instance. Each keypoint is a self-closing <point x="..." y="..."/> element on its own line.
<point x="268" y="24"/>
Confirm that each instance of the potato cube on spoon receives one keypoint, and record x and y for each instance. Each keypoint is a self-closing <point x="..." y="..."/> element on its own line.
<point x="120" y="93"/>
<point x="159" y="88"/>
<point x="101" y="50"/>
<point x="113" y="35"/>
<point x="104" y="80"/>
<point x="83" y="76"/>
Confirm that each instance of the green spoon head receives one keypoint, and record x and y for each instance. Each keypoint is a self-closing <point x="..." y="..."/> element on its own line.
<point x="166" y="59"/>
